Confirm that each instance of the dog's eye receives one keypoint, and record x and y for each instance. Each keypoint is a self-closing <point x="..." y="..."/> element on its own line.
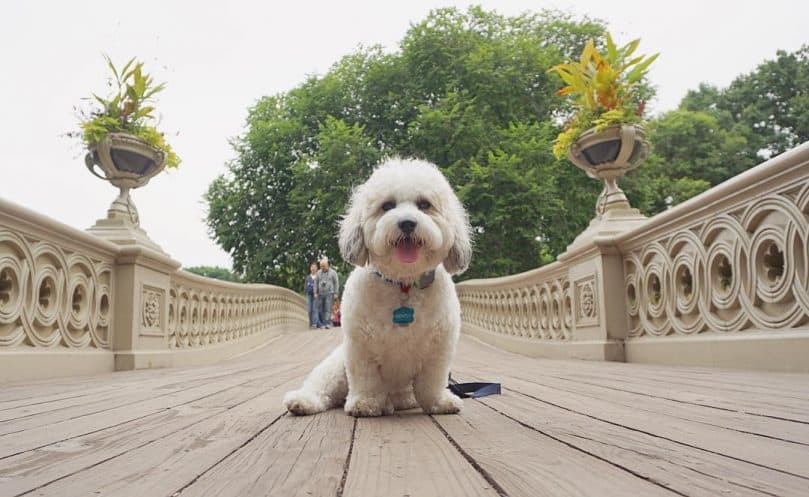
<point x="423" y="205"/>
<point x="390" y="204"/>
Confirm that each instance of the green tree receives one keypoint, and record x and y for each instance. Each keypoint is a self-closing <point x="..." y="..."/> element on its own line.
<point x="468" y="91"/>
<point x="691" y="153"/>
<point x="215" y="272"/>
<point x="769" y="106"/>
<point x="719" y="133"/>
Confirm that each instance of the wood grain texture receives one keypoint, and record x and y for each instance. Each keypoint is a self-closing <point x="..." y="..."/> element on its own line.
<point x="530" y="464"/>
<point x="297" y="456"/>
<point x="178" y="392"/>
<point x="406" y="454"/>
<point x="683" y="469"/>
<point x="655" y="402"/>
<point x="74" y="455"/>
<point x="779" y="454"/>
<point x="772" y="395"/>
<point x="560" y="428"/>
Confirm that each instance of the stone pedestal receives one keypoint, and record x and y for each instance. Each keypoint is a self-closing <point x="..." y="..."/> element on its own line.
<point x="142" y="277"/>
<point x="123" y="231"/>
<point x="142" y="285"/>
<point x="618" y="219"/>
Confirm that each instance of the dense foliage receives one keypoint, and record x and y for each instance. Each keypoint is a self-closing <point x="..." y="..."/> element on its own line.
<point x="215" y="272"/>
<point x="469" y="91"/>
<point x="716" y="133"/>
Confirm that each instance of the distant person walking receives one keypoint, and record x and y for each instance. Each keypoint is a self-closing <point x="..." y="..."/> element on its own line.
<point x="311" y="301"/>
<point x="327" y="288"/>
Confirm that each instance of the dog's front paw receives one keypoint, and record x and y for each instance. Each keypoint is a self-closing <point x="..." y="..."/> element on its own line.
<point x="302" y="402"/>
<point x="448" y="403"/>
<point x="362" y="407"/>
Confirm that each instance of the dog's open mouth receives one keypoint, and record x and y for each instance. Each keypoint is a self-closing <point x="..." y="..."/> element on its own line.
<point x="407" y="250"/>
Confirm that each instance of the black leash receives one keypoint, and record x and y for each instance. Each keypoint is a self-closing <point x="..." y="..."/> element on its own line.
<point x="473" y="389"/>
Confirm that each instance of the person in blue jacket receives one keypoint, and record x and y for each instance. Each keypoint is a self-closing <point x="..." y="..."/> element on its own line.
<point x="311" y="301"/>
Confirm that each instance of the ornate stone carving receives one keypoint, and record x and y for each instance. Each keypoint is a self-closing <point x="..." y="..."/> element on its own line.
<point x="51" y="296"/>
<point x="209" y="312"/>
<point x="152" y="302"/>
<point x="534" y="306"/>
<point x="586" y="301"/>
<point x="744" y="268"/>
<point x="588" y="305"/>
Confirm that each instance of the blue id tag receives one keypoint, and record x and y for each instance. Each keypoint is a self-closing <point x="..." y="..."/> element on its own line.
<point x="403" y="315"/>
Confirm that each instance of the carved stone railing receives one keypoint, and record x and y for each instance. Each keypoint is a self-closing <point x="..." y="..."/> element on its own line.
<point x="552" y="311"/>
<point x="728" y="268"/>
<point x="73" y="303"/>
<point x="536" y="304"/>
<point x="56" y="294"/>
<point x="720" y="280"/>
<point x="204" y="312"/>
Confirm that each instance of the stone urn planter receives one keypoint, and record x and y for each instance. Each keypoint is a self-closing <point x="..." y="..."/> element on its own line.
<point x="622" y="146"/>
<point x="127" y="162"/>
<point x="607" y="155"/>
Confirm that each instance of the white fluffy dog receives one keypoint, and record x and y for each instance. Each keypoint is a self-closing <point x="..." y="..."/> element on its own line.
<point x="406" y="232"/>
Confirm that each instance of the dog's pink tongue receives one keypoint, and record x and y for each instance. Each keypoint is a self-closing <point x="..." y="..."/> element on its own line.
<point x="407" y="252"/>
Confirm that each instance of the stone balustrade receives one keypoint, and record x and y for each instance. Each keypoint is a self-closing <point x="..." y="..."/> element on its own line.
<point x="536" y="304"/>
<point x="74" y="303"/>
<point x="728" y="270"/>
<point x="204" y="311"/>
<point x="719" y="280"/>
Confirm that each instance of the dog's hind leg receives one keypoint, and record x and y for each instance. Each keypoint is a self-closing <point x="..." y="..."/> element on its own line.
<point x="324" y="388"/>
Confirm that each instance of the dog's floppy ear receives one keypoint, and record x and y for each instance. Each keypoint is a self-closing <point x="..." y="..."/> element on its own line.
<point x="460" y="254"/>
<point x="352" y="240"/>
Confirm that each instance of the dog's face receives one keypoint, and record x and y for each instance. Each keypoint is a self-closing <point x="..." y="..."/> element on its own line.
<point x="406" y="220"/>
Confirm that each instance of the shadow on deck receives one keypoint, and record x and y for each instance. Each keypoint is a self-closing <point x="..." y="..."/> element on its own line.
<point x="561" y="428"/>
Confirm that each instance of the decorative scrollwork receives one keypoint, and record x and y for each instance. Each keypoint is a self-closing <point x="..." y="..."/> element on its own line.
<point x="588" y="303"/>
<point x="150" y="313"/>
<point x="51" y="296"/>
<point x="746" y="268"/>
<point x="202" y="314"/>
<point x="532" y="307"/>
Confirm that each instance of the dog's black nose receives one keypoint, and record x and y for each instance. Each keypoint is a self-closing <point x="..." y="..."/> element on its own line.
<point x="407" y="226"/>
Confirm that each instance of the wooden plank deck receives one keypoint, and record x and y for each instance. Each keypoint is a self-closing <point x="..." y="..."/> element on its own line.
<point x="560" y="428"/>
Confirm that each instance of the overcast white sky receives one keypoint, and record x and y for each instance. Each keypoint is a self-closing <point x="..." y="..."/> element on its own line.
<point x="219" y="57"/>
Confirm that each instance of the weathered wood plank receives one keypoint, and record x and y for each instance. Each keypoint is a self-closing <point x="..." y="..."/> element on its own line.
<point x="686" y="470"/>
<point x="95" y="453"/>
<point x="70" y="428"/>
<point x="42" y="466"/>
<point x="528" y="463"/>
<point x="777" y="395"/>
<point x="754" y="413"/>
<point x="297" y="456"/>
<point x="718" y="392"/>
<point x="169" y="463"/>
<point x="20" y="393"/>
<point x="126" y="392"/>
<point x="406" y="454"/>
<point x="42" y="393"/>
<point x="728" y="419"/>
<point x="776" y="454"/>
<point x="561" y="428"/>
<point x="725" y="418"/>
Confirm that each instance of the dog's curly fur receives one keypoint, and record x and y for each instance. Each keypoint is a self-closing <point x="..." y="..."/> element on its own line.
<point x="380" y="366"/>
